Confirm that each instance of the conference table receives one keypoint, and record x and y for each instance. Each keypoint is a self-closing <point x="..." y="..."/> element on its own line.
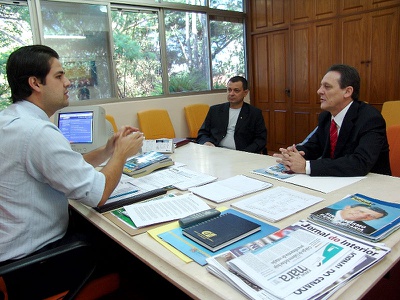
<point x="194" y="279"/>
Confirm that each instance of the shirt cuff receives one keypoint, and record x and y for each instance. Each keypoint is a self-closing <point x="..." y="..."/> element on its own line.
<point x="308" y="167"/>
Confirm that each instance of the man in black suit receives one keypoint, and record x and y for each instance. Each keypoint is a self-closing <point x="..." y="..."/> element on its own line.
<point x="235" y="124"/>
<point x="362" y="145"/>
<point x="353" y="216"/>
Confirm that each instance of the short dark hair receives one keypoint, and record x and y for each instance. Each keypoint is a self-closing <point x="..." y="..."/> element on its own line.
<point x="242" y="79"/>
<point x="374" y="208"/>
<point x="27" y="61"/>
<point x="348" y="77"/>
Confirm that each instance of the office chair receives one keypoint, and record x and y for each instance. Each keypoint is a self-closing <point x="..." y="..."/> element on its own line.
<point x="393" y="135"/>
<point x="156" y="124"/>
<point x="195" y="115"/>
<point x="50" y="275"/>
<point x="111" y="119"/>
<point x="391" y="112"/>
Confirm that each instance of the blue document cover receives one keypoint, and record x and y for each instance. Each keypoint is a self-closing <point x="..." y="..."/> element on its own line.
<point x="199" y="253"/>
<point x="360" y="215"/>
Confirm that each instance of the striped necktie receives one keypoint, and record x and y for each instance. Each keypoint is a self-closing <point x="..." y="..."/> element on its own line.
<point x="333" y="136"/>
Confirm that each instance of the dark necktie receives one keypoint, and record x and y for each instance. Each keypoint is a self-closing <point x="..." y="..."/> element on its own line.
<point x="333" y="136"/>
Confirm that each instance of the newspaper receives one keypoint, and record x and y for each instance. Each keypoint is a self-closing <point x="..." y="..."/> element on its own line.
<point x="319" y="283"/>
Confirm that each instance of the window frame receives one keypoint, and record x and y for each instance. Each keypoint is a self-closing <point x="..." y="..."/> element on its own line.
<point x="152" y="5"/>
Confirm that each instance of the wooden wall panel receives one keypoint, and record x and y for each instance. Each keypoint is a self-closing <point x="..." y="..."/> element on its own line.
<point x="384" y="51"/>
<point x="301" y="126"/>
<point x="268" y="14"/>
<point x="279" y="13"/>
<point x="259" y="14"/>
<point x="301" y="64"/>
<point x="279" y="70"/>
<point x="279" y="128"/>
<point x="352" y="48"/>
<point x="301" y="10"/>
<point x="261" y="69"/>
<point x="325" y="9"/>
<point x="326" y="53"/>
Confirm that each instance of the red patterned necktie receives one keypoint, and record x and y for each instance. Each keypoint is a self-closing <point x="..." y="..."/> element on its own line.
<point x="333" y="136"/>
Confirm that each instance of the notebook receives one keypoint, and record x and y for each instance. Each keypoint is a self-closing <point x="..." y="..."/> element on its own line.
<point x="221" y="231"/>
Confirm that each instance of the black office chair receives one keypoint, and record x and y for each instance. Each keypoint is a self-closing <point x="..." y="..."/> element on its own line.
<point x="49" y="273"/>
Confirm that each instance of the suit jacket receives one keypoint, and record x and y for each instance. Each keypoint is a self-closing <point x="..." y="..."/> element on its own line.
<point x="362" y="145"/>
<point x="250" y="131"/>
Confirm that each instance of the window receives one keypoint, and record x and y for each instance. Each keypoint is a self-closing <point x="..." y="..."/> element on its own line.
<point x="187" y="51"/>
<point x="227" y="51"/>
<point x="137" y="53"/>
<point x="80" y="33"/>
<point x="15" y="31"/>
<point x="234" y="5"/>
<point x="118" y="51"/>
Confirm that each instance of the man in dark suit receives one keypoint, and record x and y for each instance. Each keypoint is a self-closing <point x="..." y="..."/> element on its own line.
<point x="361" y="146"/>
<point x="353" y="216"/>
<point x="235" y="124"/>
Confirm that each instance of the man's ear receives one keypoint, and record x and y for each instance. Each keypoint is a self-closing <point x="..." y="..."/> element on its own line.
<point x="348" y="92"/>
<point x="34" y="83"/>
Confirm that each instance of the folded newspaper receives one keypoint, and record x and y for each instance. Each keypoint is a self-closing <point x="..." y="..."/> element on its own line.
<point x="302" y="261"/>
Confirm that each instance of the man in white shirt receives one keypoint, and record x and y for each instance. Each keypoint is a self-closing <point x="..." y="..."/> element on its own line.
<point x="40" y="171"/>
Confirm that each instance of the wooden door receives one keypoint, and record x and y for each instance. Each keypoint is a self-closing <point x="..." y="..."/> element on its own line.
<point x="370" y="43"/>
<point x="313" y="50"/>
<point x="271" y="84"/>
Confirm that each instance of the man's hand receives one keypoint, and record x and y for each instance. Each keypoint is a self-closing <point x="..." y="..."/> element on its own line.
<point x="126" y="142"/>
<point x="209" y="144"/>
<point x="292" y="159"/>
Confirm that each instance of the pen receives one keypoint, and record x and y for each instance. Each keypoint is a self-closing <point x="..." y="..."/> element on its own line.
<point x="123" y="194"/>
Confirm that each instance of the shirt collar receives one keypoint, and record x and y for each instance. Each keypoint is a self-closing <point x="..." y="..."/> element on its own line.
<point x="34" y="109"/>
<point x="340" y="116"/>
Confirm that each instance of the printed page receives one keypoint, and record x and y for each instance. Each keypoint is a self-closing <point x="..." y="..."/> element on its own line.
<point x="180" y="177"/>
<point x="127" y="188"/>
<point x="286" y="267"/>
<point x="158" y="145"/>
<point x="164" y="209"/>
<point x="230" y="188"/>
<point x="189" y="178"/>
<point x="277" y="203"/>
<point x="324" y="184"/>
<point x="218" y="264"/>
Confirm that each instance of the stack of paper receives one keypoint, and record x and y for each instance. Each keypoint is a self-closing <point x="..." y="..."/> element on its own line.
<point x="230" y="188"/>
<point x="277" y="203"/>
<point x="297" y="262"/>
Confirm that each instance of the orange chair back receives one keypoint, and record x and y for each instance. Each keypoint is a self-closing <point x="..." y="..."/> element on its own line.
<point x="195" y="115"/>
<point x="111" y="119"/>
<point x="391" y="112"/>
<point x="393" y="135"/>
<point x="156" y="124"/>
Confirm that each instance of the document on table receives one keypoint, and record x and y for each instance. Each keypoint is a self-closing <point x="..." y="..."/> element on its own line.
<point x="164" y="209"/>
<point x="230" y="188"/>
<point x="277" y="203"/>
<point x="127" y="188"/>
<point x="180" y="177"/>
<point x="324" y="184"/>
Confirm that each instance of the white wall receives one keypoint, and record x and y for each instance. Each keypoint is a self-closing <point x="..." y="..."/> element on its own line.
<point x="125" y="112"/>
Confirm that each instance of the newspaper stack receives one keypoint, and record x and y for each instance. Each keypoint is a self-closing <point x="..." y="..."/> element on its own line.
<point x="302" y="261"/>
